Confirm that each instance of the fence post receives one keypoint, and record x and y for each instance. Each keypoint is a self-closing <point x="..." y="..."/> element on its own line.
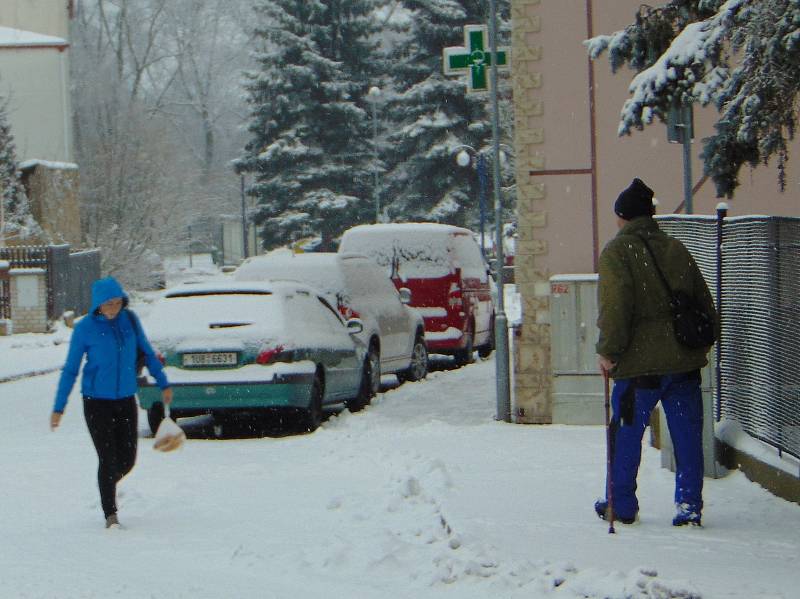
<point x="51" y="286"/>
<point x="722" y="212"/>
<point x="6" y="328"/>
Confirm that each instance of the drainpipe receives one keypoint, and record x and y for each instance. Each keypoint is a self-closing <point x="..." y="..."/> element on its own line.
<point x="593" y="142"/>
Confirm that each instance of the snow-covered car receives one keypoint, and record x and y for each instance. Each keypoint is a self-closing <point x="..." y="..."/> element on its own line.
<point x="447" y="275"/>
<point x="357" y="287"/>
<point x="244" y="346"/>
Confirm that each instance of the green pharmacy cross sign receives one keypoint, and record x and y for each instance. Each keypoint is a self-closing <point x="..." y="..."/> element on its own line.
<point x="474" y="58"/>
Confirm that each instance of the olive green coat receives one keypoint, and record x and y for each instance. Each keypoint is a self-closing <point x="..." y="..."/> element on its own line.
<point x="635" y="320"/>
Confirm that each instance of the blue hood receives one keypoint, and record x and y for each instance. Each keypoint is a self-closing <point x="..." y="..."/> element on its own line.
<point x="104" y="290"/>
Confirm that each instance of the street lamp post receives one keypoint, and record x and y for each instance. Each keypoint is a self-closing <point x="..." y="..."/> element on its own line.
<point x="244" y="220"/>
<point x="2" y="217"/>
<point x="463" y="159"/>
<point x="680" y="130"/>
<point x="503" y="375"/>
<point x="373" y="97"/>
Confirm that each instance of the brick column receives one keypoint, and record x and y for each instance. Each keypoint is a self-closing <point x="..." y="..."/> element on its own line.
<point x="532" y="371"/>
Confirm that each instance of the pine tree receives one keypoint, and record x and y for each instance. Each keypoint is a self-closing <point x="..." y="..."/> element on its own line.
<point x="742" y="56"/>
<point x="432" y="115"/>
<point x="17" y="220"/>
<point x="308" y="151"/>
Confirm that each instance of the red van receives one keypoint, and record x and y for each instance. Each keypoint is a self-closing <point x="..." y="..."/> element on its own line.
<point x="448" y="278"/>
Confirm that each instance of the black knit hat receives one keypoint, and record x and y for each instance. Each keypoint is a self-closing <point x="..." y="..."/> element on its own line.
<point x="635" y="200"/>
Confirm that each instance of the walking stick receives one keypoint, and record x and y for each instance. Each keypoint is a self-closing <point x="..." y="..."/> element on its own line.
<point x="609" y="488"/>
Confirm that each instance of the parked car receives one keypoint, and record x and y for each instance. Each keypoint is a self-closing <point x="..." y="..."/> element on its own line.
<point x="244" y="346"/>
<point x="448" y="278"/>
<point x="393" y="332"/>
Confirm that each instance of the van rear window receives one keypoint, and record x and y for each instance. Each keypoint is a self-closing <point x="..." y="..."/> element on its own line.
<point x="414" y="255"/>
<point x="423" y="251"/>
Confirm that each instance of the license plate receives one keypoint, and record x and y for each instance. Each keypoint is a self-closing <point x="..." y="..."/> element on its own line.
<point x="210" y="359"/>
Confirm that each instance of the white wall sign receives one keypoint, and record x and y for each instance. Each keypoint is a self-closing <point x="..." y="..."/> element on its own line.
<point x="27" y="291"/>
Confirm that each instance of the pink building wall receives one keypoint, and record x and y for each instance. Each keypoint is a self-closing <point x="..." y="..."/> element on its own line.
<point x="565" y="94"/>
<point x="571" y="165"/>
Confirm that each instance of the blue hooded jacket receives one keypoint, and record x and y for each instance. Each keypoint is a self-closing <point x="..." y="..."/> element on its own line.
<point x="110" y="347"/>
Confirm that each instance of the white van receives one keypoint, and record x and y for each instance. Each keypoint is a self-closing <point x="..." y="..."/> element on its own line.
<point x="393" y="332"/>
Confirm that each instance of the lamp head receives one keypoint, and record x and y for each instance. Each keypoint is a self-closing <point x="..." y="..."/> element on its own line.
<point x="463" y="158"/>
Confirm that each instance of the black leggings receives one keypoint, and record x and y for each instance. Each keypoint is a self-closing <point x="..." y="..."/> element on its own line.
<point x="114" y="429"/>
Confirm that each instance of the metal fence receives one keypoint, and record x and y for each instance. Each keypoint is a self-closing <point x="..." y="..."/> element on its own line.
<point x="5" y="294"/>
<point x="69" y="274"/>
<point x="753" y="264"/>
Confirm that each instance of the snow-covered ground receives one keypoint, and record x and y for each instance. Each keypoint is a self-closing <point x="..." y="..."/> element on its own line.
<point x="421" y="495"/>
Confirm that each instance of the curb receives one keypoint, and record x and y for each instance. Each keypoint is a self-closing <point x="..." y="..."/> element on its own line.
<point x="25" y="375"/>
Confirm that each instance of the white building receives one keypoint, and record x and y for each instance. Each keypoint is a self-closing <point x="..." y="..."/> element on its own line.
<point x="34" y="84"/>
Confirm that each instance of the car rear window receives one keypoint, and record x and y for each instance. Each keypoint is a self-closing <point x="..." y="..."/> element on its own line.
<point x="214" y="310"/>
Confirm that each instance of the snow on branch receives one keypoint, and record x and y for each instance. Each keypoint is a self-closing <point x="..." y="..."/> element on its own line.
<point x="688" y="70"/>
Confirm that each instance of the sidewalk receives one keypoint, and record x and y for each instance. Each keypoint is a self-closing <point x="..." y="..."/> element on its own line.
<point x="30" y="354"/>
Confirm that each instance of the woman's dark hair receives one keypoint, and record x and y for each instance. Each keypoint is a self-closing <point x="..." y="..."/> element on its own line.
<point x="125" y="302"/>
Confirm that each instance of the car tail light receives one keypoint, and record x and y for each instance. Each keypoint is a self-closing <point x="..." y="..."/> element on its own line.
<point x="268" y="355"/>
<point x="454" y="298"/>
<point x="347" y="312"/>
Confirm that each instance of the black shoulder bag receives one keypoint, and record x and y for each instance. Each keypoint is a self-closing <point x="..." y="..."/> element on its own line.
<point x="140" y="355"/>
<point x="693" y="326"/>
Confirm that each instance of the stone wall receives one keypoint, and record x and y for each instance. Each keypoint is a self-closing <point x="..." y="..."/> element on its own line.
<point x="52" y="190"/>
<point x="532" y="381"/>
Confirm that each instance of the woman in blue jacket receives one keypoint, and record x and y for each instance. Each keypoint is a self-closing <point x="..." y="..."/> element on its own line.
<point x="110" y="337"/>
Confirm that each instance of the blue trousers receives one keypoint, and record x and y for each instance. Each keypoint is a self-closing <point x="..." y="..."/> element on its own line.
<point x="632" y="401"/>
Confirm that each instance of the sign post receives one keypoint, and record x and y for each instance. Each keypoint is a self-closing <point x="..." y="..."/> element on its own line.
<point x="473" y="59"/>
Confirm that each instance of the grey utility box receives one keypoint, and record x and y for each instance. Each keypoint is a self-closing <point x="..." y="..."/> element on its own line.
<point x="578" y="396"/>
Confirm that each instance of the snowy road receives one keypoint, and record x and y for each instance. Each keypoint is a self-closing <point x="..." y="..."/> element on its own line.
<point x="421" y="495"/>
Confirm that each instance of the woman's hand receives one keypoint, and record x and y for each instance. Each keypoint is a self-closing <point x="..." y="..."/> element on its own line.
<point x="166" y="396"/>
<point x="55" y="420"/>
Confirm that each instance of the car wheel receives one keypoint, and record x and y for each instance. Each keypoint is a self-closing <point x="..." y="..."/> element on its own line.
<point x="374" y="358"/>
<point x="155" y="415"/>
<point x="313" y="416"/>
<point x="418" y="369"/>
<point x="464" y="356"/>
<point x="365" y="392"/>
<point x="484" y="351"/>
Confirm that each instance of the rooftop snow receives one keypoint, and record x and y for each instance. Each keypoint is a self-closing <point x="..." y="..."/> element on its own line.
<point x="11" y="38"/>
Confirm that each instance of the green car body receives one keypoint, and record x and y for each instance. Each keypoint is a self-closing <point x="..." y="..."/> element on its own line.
<point x="231" y="348"/>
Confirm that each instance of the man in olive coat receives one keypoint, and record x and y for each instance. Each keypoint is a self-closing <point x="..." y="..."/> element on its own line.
<point x="639" y="350"/>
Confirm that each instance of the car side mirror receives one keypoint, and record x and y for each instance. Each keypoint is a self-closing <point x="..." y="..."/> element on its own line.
<point x="355" y="326"/>
<point x="405" y="295"/>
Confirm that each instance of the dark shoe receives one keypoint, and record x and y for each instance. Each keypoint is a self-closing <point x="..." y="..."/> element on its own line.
<point x="686" y="517"/>
<point x="602" y="511"/>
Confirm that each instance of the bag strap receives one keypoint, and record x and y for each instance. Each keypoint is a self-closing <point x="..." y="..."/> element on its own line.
<point x="655" y="263"/>
<point x="136" y="324"/>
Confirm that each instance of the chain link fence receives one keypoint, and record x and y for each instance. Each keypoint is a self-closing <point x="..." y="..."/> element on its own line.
<point x="752" y="266"/>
